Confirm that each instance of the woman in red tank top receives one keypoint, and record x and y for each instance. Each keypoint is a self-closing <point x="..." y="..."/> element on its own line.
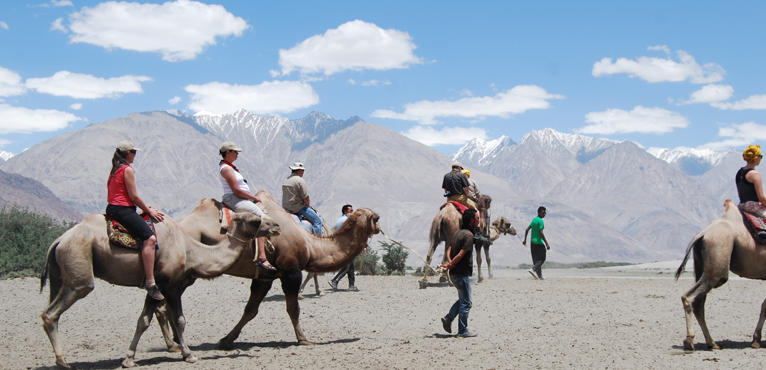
<point x="123" y="199"/>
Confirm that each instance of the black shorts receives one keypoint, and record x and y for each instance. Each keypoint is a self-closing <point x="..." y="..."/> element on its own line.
<point x="129" y="219"/>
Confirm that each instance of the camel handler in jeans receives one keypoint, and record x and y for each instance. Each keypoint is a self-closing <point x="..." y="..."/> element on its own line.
<point x="295" y="198"/>
<point x="457" y="188"/>
<point x="460" y="266"/>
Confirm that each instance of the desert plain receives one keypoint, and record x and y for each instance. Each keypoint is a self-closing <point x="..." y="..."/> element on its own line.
<point x="608" y="318"/>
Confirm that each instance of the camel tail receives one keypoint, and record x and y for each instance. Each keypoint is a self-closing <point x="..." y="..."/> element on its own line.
<point x="695" y="244"/>
<point x="50" y="261"/>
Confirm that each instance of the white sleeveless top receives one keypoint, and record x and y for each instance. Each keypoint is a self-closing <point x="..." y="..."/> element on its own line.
<point x="240" y="181"/>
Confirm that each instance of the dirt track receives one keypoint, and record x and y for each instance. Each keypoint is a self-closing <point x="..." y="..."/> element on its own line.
<point x="602" y="320"/>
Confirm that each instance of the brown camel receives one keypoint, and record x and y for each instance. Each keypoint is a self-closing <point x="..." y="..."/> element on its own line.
<point x="447" y="223"/>
<point x="83" y="253"/>
<point x="293" y="250"/>
<point x="725" y="244"/>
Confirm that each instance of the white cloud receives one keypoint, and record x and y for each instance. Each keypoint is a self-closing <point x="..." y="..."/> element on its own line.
<point x="738" y="135"/>
<point x="752" y="102"/>
<point x="640" y="119"/>
<point x="660" y="48"/>
<point x="446" y="136"/>
<point x="351" y="81"/>
<point x="76" y="106"/>
<point x="370" y="83"/>
<point x="3" y="25"/>
<point x="354" y="45"/>
<point x="57" y="26"/>
<point x="4" y="142"/>
<point x="516" y="100"/>
<point x="267" y="98"/>
<point x="710" y="94"/>
<point x="179" y="30"/>
<point x="82" y="86"/>
<point x="386" y="82"/>
<point x="10" y="83"/>
<point x="175" y="100"/>
<point x="662" y="69"/>
<point x="26" y="121"/>
<point x="61" y="3"/>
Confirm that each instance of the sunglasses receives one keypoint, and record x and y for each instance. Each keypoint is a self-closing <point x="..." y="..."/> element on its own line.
<point x="132" y="151"/>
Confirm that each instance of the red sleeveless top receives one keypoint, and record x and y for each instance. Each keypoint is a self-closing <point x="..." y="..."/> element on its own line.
<point x="117" y="193"/>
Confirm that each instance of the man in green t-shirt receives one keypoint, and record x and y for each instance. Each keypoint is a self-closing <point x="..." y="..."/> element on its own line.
<point x="538" y="244"/>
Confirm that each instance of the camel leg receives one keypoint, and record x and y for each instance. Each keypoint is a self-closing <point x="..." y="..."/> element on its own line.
<point x="150" y="306"/>
<point x="173" y="301"/>
<point x="258" y="291"/>
<point x="308" y="277"/>
<point x="694" y="302"/>
<point x="759" y="327"/>
<point x="290" y="281"/>
<point x="478" y="264"/>
<point x="316" y="286"/>
<point x="65" y="298"/>
<point x="489" y="261"/>
<point x="427" y="267"/>
<point x="162" y="318"/>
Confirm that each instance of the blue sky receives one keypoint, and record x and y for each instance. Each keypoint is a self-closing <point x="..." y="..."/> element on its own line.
<point x="662" y="74"/>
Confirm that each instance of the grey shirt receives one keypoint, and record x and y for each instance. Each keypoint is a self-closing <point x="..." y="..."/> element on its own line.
<point x="294" y="190"/>
<point x="473" y="189"/>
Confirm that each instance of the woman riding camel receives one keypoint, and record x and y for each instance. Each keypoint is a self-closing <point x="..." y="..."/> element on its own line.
<point x="237" y="195"/>
<point x="123" y="199"/>
<point x="749" y="183"/>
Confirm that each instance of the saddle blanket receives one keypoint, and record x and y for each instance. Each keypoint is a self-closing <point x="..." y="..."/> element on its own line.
<point x="755" y="225"/>
<point x="460" y="207"/>
<point x="119" y="235"/>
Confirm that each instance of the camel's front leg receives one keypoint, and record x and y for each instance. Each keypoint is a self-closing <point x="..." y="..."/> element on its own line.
<point x="150" y="306"/>
<point x="478" y="263"/>
<point x="177" y="319"/>
<point x="308" y="277"/>
<point x="290" y="281"/>
<point x="258" y="291"/>
<point x="66" y="297"/>
<point x="489" y="261"/>
<point x="162" y="319"/>
<point x="316" y="286"/>
<point x="759" y="327"/>
<point x="427" y="267"/>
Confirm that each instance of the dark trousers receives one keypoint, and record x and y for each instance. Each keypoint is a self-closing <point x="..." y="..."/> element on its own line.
<point x="538" y="258"/>
<point x="349" y="269"/>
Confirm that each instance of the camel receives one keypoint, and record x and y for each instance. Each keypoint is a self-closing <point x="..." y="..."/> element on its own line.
<point x="447" y="223"/>
<point x="725" y="244"/>
<point x="83" y="253"/>
<point x="293" y="250"/>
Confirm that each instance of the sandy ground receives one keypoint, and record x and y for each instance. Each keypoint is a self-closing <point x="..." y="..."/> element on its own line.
<point x="598" y="318"/>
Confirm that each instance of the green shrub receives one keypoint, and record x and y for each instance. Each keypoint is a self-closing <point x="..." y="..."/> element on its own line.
<point x="371" y="265"/>
<point x="395" y="257"/>
<point x="24" y="240"/>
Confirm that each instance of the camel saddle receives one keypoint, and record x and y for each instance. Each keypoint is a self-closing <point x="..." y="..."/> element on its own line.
<point x="460" y="207"/>
<point x="756" y="225"/>
<point x="119" y="235"/>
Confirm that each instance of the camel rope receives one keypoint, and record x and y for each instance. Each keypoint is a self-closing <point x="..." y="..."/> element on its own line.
<point x="439" y="270"/>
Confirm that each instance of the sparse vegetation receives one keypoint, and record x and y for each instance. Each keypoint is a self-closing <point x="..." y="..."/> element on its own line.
<point x="577" y="265"/>
<point x="24" y="240"/>
<point x="394" y="259"/>
<point x="371" y="265"/>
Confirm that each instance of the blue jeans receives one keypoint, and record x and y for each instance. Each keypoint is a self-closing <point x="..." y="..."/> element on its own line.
<point x="462" y="307"/>
<point x="311" y="216"/>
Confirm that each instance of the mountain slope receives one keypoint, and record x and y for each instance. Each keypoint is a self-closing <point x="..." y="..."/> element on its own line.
<point x="25" y="192"/>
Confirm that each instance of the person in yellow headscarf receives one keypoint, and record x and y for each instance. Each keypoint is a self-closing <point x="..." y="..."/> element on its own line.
<point x="750" y="183"/>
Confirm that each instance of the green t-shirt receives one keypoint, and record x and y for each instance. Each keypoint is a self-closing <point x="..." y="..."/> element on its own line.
<point x="537" y="225"/>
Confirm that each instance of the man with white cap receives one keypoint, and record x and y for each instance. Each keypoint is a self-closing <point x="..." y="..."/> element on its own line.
<point x="295" y="198"/>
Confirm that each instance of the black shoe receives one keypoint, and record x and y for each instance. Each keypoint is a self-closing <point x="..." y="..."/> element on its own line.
<point x="333" y="284"/>
<point x="155" y="293"/>
<point x="447" y="325"/>
<point x="353" y="289"/>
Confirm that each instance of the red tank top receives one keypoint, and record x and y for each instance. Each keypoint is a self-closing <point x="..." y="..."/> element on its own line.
<point x="117" y="191"/>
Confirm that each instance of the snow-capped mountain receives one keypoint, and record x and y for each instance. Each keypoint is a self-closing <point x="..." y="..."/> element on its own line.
<point x="584" y="148"/>
<point x="690" y="161"/>
<point x="480" y="152"/>
<point x="5" y="155"/>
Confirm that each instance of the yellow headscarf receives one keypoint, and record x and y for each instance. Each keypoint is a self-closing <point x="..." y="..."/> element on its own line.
<point x="751" y="153"/>
<point x="468" y="173"/>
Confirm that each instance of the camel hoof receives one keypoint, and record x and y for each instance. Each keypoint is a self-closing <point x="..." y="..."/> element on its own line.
<point x="714" y="346"/>
<point x="481" y="280"/>
<point x="442" y="279"/>
<point x="689" y="344"/>
<point x="224" y="344"/>
<point x="174" y="348"/>
<point x="128" y="363"/>
<point x="306" y="343"/>
<point x="62" y="364"/>
<point x="322" y="294"/>
<point x="423" y="284"/>
<point x="191" y="359"/>
<point x="300" y="296"/>
<point x="756" y="344"/>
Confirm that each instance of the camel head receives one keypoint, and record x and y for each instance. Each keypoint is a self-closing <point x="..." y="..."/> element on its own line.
<point x="364" y="218"/>
<point x="503" y="226"/>
<point x="247" y="226"/>
<point x="483" y="202"/>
